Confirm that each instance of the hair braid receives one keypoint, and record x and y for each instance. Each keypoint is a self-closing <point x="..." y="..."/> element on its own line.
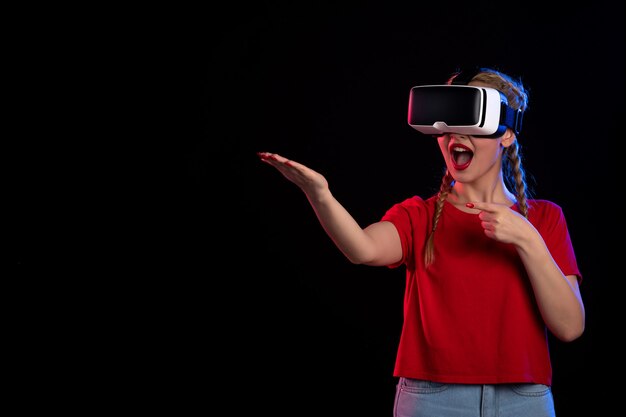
<point x="444" y="190"/>
<point x="516" y="175"/>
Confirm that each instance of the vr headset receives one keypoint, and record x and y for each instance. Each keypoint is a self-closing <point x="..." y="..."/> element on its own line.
<point x="462" y="109"/>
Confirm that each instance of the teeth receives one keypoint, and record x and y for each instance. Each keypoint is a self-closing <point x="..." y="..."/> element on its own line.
<point x="459" y="149"/>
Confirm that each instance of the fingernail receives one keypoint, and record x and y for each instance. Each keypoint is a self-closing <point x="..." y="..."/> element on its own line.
<point x="470" y="205"/>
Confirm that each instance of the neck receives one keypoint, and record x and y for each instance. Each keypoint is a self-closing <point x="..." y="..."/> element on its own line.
<point x="486" y="191"/>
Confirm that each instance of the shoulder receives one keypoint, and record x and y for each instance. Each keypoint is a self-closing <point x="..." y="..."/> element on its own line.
<point x="416" y="203"/>
<point x="412" y="207"/>
<point x="545" y="213"/>
<point x="544" y="207"/>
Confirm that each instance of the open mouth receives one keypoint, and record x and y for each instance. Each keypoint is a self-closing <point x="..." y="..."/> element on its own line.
<point x="461" y="156"/>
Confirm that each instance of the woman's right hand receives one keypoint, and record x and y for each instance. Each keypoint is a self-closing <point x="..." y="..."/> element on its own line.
<point x="311" y="182"/>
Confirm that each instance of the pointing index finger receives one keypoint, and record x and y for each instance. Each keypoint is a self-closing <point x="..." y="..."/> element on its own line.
<point x="480" y="206"/>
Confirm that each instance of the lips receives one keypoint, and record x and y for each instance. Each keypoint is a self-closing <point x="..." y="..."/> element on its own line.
<point x="461" y="156"/>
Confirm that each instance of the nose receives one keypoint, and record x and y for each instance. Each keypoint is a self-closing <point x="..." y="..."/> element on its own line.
<point x="458" y="136"/>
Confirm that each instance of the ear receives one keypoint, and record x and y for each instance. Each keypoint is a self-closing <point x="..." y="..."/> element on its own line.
<point x="508" y="138"/>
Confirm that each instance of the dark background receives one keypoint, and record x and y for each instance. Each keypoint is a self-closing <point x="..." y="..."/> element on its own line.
<point x="203" y="277"/>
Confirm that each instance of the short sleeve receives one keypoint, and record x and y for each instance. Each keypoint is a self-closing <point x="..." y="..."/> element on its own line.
<point x="549" y="220"/>
<point x="410" y="217"/>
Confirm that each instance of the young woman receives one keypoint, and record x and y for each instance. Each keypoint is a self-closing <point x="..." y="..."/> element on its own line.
<point x="489" y="271"/>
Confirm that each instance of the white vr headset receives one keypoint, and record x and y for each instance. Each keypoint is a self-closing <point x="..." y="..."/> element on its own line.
<point x="462" y="109"/>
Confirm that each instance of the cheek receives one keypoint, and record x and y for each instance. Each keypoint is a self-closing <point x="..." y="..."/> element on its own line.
<point x="490" y="153"/>
<point x="443" y="144"/>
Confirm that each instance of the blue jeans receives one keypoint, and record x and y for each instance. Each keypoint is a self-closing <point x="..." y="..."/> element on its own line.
<point x="417" y="398"/>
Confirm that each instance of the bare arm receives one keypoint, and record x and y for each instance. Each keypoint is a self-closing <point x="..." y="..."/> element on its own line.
<point x="558" y="296"/>
<point x="377" y="244"/>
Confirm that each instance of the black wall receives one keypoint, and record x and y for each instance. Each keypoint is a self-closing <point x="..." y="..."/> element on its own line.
<point x="220" y="288"/>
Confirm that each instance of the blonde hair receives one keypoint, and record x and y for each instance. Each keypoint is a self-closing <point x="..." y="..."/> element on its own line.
<point x="513" y="172"/>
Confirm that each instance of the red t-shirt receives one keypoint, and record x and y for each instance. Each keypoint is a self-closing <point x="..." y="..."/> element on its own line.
<point x="471" y="317"/>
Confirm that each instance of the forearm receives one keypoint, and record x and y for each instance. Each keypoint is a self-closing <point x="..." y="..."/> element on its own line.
<point x="557" y="296"/>
<point x="342" y="228"/>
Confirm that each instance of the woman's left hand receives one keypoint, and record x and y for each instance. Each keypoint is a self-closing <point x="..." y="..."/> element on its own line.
<point x="502" y="223"/>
